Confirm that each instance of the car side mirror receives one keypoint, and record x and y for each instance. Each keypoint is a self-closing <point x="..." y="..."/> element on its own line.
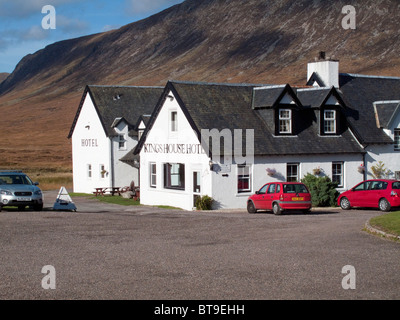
<point x="36" y="183"/>
<point x="257" y="192"/>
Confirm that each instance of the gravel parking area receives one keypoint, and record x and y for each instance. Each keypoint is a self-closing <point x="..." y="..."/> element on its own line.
<point x="112" y="252"/>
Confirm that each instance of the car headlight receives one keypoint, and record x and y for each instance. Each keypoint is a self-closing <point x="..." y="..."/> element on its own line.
<point x="5" y="192"/>
<point x="38" y="192"/>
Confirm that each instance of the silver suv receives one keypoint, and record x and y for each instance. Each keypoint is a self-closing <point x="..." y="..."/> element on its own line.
<point x="17" y="190"/>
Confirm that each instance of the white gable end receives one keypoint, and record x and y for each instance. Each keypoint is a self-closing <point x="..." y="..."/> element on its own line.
<point x="172" y="143"/>
<point x="90" y="150"/>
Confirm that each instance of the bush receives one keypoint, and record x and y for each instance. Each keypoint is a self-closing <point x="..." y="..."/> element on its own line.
<point x="322" y="189"/>
<point x="204" y="203"/>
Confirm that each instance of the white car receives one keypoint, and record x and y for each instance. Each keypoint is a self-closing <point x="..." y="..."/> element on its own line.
<point x="17" y="190"/>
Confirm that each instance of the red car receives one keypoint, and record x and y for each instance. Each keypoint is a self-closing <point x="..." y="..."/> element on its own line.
<point x="280" y="196"/>
<point x="379" y="193"/>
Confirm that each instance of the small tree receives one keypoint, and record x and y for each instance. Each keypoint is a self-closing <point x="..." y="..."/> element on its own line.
<point x="322" y="189"/>
<point x="379" y="171"/>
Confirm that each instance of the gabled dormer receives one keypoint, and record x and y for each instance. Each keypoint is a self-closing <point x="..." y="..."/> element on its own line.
<point x="328" y="107"/>
<point x="279" y="107"/>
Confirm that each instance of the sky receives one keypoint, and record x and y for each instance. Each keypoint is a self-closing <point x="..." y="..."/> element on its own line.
<point x="27" y="26"/>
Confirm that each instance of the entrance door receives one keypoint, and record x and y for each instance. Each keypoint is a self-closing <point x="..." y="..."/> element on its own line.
<point x="196" y="186"/>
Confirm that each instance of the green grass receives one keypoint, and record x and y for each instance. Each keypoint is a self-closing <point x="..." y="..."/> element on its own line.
<point x="389" y="223"/>
<point x="117" y="200"/>
<point x="108" y="199"/>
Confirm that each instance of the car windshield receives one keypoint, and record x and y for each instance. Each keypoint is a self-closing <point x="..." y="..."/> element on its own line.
<point x="294" y="188"/>
<point x="396" y="185"/>
<point x="14" y="179"/>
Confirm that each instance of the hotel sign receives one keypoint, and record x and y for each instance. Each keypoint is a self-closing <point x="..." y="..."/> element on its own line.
<point x="177" y="148"/>
<point x="90" y="143"/>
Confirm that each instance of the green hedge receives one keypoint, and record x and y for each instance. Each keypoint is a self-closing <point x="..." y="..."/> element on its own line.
<point x="323" y="190"/>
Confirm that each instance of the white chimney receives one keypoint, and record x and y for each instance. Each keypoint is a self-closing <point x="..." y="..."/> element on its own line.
<point x="327" y="70"/>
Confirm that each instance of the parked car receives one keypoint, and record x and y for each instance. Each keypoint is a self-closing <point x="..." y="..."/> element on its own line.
<point x="17" y="190"/>
<point x="279" y="197"/>
<point x="380" y="193"/>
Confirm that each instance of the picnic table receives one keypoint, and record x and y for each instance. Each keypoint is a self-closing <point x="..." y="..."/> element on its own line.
<point x="103" y="191"/>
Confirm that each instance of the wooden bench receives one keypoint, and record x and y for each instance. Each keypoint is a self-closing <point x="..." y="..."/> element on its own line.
<point x="100" y="191"/>
<point x="110" y="190"/>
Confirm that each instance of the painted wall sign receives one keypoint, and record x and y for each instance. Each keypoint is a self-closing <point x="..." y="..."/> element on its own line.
<point x="90" y="143"/>
<point x="179" y="148"/>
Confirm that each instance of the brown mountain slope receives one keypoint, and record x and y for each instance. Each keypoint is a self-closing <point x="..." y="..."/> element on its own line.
<point x="3" y="76"/>
<point x="208" y="40"/>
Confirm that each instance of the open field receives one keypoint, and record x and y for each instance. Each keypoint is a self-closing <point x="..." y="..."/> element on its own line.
<point x="48" y="178"/>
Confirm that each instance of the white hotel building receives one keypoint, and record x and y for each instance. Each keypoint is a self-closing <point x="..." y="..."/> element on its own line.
<point x="338" y="123"/>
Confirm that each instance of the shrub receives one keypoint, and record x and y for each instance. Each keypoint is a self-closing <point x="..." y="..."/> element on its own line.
<point x="204" y="203"/>
<point x="322" y="189"/>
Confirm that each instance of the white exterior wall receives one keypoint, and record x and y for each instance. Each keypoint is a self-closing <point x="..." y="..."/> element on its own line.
<point x="225" y="191"/>
<point x="123" y="173"/>
<point x="385" y="153"/>
<point x="159" y="136"/>
<point x="90" y="146"/>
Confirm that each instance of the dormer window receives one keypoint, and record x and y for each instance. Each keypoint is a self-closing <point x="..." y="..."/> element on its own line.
<point x="285" y="121"/>
<point x="330" y="121"/>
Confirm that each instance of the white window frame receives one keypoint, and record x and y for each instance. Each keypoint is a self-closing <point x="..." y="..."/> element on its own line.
<point x="153" y="174"/>
<point x="329" y="122"/>
<point x="340" y="175"/>
<point x="396" y="138"/>
<point x="89" y="171"/>
<point x="289" y="177"/>
<point x="285" y="121"/>
<point x="102" y="171"/>
<point x="173" y="121"/>
<point x="244" y="173"/>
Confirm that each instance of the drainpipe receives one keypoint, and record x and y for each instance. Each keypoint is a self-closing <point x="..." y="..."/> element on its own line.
<point x="365" y="166"/>
<point x="112" y="162"/>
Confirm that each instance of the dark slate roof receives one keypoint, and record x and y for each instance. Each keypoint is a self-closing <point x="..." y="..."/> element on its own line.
<point x="385" y="111"/>
<point x="125" y="102"/>
<point x="313" y="97"/>
<point x="229" y="106"/>
<point x="360" y="93"/>
<point x="270" y="96"/>
<point x="267" y="96"/>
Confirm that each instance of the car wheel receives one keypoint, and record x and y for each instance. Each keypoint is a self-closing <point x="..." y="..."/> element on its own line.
<point x="384" y="205"/>
<point x="276" y="209"/>
<point x="345" y="203"/>
<point x="250" y="207"/>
